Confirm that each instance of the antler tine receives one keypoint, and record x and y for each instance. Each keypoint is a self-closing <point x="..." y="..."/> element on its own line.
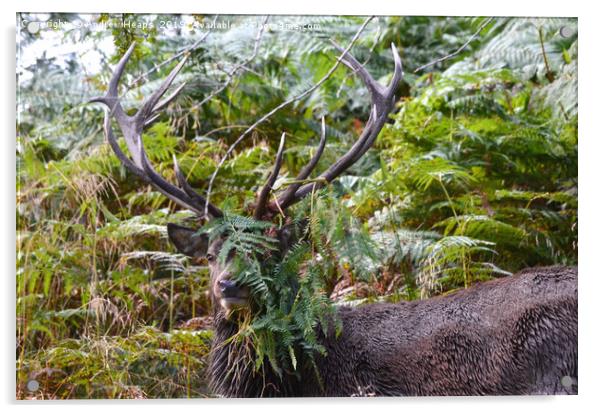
<point x="289" y="193"/>
<point x="163" y="103"/>
<point x="112" y="91"/>
<point x="152" y="119"/>
<point x="383" y="99"/>
<point x="262" y="199"/>
<point x="152" y="104"/>
<point x="373" y="86"/>
<point x="397" y="71"/>
<point x="132" y="126"/>
<point x="172" y="192"/>
<point x="111" y="98"/>
<point x="199" y="200"/>
<point x="112" y="139"/>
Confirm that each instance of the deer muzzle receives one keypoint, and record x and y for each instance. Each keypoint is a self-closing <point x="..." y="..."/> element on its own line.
<point x="232" y="295"/>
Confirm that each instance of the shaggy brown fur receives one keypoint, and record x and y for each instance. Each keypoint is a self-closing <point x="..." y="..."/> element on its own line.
<point x="514" y="335"/>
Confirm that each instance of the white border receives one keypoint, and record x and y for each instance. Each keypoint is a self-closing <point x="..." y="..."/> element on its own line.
<point x="590" y="151"/>
<point x="319" y="7"/>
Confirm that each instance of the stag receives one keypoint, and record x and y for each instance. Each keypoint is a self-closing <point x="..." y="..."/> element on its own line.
<point x="512" y="335"/>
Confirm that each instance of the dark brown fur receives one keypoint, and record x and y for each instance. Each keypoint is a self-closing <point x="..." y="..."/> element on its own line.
<point x="514" y="335"/>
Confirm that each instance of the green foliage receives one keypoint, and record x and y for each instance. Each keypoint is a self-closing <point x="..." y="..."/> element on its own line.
<point x="489" y="168"/>
<point x="288" y="295"/>
<point x="474" y="177"/>
<point x="543" y="50"/>
<point x="242" y="237"/>
<point x="146" y="364"/>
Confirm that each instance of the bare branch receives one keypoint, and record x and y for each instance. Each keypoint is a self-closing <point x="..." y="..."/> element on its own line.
<point x="236" y="68"/>
<point x="457" y="52"/>
<point x="185" y="51"/>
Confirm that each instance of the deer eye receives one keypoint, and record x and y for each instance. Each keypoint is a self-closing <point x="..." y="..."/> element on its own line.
<point x="210" y="257"/>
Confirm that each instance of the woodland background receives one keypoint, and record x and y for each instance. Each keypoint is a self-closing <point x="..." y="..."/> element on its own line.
<point x="475" y="176"/>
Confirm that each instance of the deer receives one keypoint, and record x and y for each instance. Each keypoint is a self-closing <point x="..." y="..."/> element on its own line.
<point x="514" y="335"/>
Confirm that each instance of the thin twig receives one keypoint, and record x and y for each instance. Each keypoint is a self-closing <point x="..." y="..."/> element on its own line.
<point x="236" y="68"/>
<point x="549" y="74"/>
<point x="174" y="57"/>
<point x="457" y="52"/>
<point x="280" y="106"/>
<point x="226" y="127"/>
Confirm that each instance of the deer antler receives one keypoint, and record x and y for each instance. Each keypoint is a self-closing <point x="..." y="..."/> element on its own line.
<point x="132" y="126"/>
<point x="265" y="191"/>
<point x="307" y="169"/>
<point x="383" y="100"/>
<point x="138" y="163"/>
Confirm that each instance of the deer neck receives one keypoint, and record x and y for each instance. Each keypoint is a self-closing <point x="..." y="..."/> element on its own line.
<point x="232" y="366"/>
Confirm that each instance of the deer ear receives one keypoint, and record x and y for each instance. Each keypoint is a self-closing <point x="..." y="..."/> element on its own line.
<point x="289" y="234"/>
<point x="187" y="241"/>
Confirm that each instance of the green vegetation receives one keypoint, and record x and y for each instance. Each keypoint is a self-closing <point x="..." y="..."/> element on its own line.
<point x="474" y="177"/>
<point x="286" y="308"/>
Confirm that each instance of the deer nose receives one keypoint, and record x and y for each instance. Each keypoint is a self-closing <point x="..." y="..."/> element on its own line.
<point x="228" y="288"/>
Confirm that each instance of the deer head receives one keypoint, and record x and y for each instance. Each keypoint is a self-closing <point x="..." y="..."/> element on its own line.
<point x="223" y="290"/>
<point x="225" y="293"/>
